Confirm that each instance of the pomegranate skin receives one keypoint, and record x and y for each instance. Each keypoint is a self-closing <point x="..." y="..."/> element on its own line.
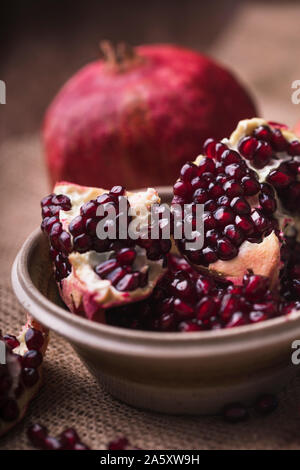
<point x="136" y="127"/>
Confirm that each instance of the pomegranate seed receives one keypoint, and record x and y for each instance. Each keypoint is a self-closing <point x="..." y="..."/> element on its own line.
<point x="255" y="286"/>
<point x="206" y="308"/>
<point x="240" y="206"/>
<point x="200" y="196"/>
<point x="82" y="243"/>
<point x="235" y="413"/>
<point x="245" y="224"/>
<point x="278" y="141"/>
<point x="182" y="189"/>
<point x="209" y="148"/>
<point x="117" y="191"/>
<point x="237" y="319"/>
<point x="118" y="444"/>
<point x="188" y="171"/>
<point x="128" y="283"/>
<point x="11" y="341"/>
<point x="46" y="201"/>
<point x="126" y="256"/>
<point x="268" y="203"/>
<point x="32" y="359"/>
<point x="37" y="434"/>
<point x="266" y="404"/>
<point x="65" y="242"/>
<point x="69" y="438"/>
<point x="279" y="179"/>
<point x="51" y="443"/>
<point x="80" y="446"/>
<point x="235" y="235"/>
<point x="188" y="327"/>
<point x="263" y="133"/>
<point x="77" y="225"/>
<point x="230" y="157"/>
<point x="34" y="339"/>
<point x="62" y="201"/>
<point x="89" y="209"/>
<point x="115" y="276"/>
<point x="248" y="146"/>
<point x="224" y="216"/>
<point x="250" y="185"/>
<point x="233" y="189"/>
<point x="263" y="154"/>
<point x="225" y="249"/>
<point x="294" y="148"/>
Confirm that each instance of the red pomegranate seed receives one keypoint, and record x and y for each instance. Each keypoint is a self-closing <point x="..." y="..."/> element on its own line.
<point x="11" y="341"/>
<point x="247" y="147"/>
<point x="188" y="171"/>
<point x="34" y="339"/>
<point x="224" y="216"/>
<point x="183" y="310"/>
<point x="268" y="203"/>
<point x="278" y="141"/>
<point x="182" y="189"/>
<point x="263" y="155"/>
<point x="209" y="147"/>
<point x="77" y="225"/>
<point x="294" y="148"/>
<point x="266" y="404"/>
<point x="32" y="358"/>
<point x="188" y="327"/>
<point x="117" y="191"/>
<point x="129" y="282"/>
<point x="63" y="201"/>
<point x="245" y="224"/>
<point x="89" y="209"/>
<point x="237" y="319"/>
<point x="51" y="443"/>
<point x="235" y="235"/>
<point x="263" y="133"/>
<point x="233" y="189"/>
<point x="118" y="444"/>
<point x="279" y="179"/>
<point x="80" y="446"/>
<point x="82" y="243"/>
<point x="240" y="206"/>
<point x="126" y="256"/>
<point x="69" y="438"/>
<point x="225" y="249"/>
<point x="255" y="286"/>
<point x="235" y="413"/>
<point x="250" y="185"/>
<point x="206" y="165"/>
<point x="200" y="196"/>
<point x="46" y="201"/>
<point x="37" y="434"/>
<point x="206" y="308"/>
<point x="65" y="242"/>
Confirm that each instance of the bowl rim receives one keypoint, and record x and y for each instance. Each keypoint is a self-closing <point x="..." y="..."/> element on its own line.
<point x="86" y="332"/>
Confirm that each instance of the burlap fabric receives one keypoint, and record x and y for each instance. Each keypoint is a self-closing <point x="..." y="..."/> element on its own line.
<point x="70" y="396"/>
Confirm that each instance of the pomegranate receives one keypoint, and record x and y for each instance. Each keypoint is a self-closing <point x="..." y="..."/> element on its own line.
<point x="95" y="273"/>
<point x="135" y="117"/>
<point x="68" y="439"/>
<point x="21" y="376"/>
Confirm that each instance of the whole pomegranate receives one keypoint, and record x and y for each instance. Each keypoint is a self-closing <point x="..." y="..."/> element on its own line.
<point x="135" y="117"/>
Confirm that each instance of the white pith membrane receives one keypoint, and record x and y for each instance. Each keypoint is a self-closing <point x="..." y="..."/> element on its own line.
<point x="262" y="258"/>
<point x="14" y="368"/>
<point x="83" y="286"/>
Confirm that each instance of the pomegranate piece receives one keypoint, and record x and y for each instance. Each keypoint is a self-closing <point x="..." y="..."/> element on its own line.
<point x="95" y="271"/>
<point x="20" y="377"/>
<point x="233" y="198"/>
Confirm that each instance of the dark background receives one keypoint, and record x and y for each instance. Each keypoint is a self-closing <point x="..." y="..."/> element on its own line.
<point x="43" y="42"/>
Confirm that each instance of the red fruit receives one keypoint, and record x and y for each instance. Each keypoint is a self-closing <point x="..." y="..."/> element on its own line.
<point x="113" y="116"/>
<point x="20" y="377"/>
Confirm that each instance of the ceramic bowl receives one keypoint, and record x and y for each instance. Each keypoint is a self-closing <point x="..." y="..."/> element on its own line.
<point x="178" y="373"/>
